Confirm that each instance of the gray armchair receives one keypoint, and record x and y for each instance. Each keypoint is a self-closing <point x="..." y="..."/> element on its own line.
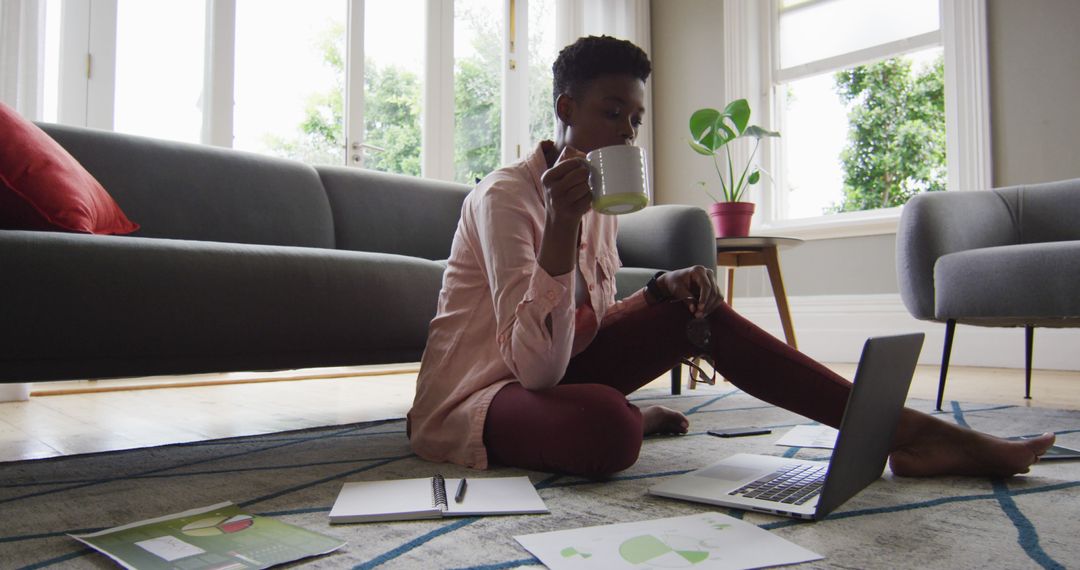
<point x="1008" y="257"/>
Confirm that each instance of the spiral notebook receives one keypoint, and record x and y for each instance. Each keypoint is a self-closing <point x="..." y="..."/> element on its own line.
<point x="427" y="498"/>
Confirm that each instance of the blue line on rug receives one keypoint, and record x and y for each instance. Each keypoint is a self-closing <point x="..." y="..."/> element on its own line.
<point x="242" y="504"/>
<point x="347" y="430"/>
<point x="309" y="484"/>
<point x="926" y="504"/>
<point x="638" y="397"/>
<point x="958" y="414"/>
<point x="503" y="565"/>
<point x="22" y="537"/>
<point x="414" y="543"/>
<point x="57" y="559"/>
<point x="712" y="401"/>
<point x="1027" y="536"/>
<point x="957" y="408"/>
<point x="272" y="439"/>
<point x="549" y="481"/>
<point x="992" y="408"/>
<point x="161" y="469"/>
<point x="746" y="409"/>
<point x="883" y="510"/>
<point x="207" y="472"/>
<point x="1045" y="488"/>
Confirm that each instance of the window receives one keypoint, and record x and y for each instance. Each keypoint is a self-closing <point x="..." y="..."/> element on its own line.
<point x="393" y="85"/>
<point x="159" y="69"/>
<point x="858" y="92"/>
<point x="478" y="53"/>
<point x="542" y="53"/>
<point x="289" y="82"/>
<point x="449" y="89"/>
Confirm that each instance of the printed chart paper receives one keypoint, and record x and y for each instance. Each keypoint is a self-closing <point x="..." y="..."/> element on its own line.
<point x="210" y="538"/>
<point x="707" y="540"/>
<point x="823" y="437"/>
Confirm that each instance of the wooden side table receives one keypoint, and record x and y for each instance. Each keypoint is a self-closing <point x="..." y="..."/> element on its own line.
<point x="734" y="252"/>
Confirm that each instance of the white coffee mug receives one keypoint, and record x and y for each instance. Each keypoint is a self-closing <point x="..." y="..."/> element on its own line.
<point x="619" y="179"/>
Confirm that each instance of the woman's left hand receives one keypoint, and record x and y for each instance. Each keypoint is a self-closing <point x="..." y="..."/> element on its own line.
<point x="696" y="286"/>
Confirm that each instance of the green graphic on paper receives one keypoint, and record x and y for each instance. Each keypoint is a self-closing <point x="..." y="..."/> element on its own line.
<point x="570" y="552"/>
<point x="647" y="548"/>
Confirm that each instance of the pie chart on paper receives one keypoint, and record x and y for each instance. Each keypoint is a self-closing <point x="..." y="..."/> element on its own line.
<point x="216" y="526"/>
<point x="648" y="549"/>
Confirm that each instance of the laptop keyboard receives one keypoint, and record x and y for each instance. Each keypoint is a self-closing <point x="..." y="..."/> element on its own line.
<point x="792" y="484"/>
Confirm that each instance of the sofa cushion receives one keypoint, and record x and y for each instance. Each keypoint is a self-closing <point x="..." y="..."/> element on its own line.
<point x="390" y="213"/>
<point x="668" y="236"/>
<point x="130" y="306"/>
<point x="42" y="187"/>
<point x="199" y="192"/>
<point x="1010" y="285"/>
<point x="630" y="280"/>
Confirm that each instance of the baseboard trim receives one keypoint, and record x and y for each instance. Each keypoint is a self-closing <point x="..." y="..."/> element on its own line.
<point x="832" y="328"/>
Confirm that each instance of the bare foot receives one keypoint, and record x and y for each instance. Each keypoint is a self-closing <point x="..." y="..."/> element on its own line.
<point x="926" y="446"/>
<point x="658" y="419"/>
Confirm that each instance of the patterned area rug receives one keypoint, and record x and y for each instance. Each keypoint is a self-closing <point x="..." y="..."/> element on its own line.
<point x="961" y="522"/>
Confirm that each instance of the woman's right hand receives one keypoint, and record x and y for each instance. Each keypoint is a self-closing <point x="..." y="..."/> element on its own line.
<point x="566" y="188"/>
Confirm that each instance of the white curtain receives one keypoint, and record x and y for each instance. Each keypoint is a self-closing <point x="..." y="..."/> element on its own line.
<point x="623" y="19"/>
<point x="22" y="55"/>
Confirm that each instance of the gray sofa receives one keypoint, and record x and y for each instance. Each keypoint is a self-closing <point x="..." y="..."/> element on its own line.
<point x="1005" y="257"/>
<point x="246" y="262"/>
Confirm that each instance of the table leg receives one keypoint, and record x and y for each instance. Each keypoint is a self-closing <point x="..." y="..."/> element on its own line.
<point x="772" y="263"/>
<point x="730" y="285"/>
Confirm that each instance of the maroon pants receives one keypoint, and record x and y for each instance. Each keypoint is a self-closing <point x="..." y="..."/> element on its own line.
<point x="585" y="426"/>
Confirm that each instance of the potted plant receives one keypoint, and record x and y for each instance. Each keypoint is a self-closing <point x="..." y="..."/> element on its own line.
<point x="711" y="132"/>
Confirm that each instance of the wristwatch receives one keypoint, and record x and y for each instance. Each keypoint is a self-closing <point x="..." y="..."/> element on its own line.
<point x="654" y="289"/>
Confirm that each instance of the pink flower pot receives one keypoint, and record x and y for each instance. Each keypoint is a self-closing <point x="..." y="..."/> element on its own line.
<point x="731" y="219"/>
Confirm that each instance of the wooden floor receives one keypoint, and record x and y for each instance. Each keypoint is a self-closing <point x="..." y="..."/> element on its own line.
<point x="61" y="420"/>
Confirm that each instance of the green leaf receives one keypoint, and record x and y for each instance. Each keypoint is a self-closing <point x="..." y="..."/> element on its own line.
<point x="702" y="127"/>
<point x="700" y="148"/>
<point x="739" y="113"/>
<point x="723" y="134"/>
<point x="758" y="132"/>
<point x="754" y="178"/>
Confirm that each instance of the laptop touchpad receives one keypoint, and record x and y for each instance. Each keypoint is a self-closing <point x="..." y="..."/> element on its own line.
<point x="729" y="472"/>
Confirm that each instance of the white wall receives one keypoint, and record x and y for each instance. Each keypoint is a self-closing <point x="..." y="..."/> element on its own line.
<point x="1035" y="78"/>
<point x="1035" y="89"/>
<point x="686" y="56"/>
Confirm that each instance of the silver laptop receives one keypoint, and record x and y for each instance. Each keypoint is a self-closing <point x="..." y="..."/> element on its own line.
<point x="812" y="489"/>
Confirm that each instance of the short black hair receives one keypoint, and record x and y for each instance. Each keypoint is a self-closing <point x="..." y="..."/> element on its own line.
<point x="591" y="57"/>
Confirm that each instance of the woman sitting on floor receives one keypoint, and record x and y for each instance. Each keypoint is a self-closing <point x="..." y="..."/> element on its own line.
<point x="530" y="358"/>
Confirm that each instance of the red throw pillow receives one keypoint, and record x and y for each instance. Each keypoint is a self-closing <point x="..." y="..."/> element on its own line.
<point x="42" y="187"/>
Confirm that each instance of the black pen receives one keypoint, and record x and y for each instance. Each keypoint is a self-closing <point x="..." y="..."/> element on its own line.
<point x="460" y="495"/>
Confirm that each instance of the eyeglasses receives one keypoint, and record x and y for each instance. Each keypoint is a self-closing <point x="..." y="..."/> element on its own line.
<point x="699" y="333"/>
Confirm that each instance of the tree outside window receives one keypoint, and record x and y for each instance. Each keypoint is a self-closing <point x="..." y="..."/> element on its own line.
<point x="896" y="133"/>
<point x="392" y="106"/>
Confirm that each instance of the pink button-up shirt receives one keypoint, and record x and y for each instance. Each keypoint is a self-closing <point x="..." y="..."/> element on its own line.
<point x="501" y="318"/>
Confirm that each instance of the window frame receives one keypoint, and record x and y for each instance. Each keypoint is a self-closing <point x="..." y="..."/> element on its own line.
<point x="750" y="64"/>
<point x="88" y="65"/>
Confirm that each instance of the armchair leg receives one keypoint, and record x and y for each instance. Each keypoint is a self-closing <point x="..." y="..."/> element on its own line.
<point x="1029" y="343"/>
<point x="950" y="331"/>
<point x="676" y="380"/>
